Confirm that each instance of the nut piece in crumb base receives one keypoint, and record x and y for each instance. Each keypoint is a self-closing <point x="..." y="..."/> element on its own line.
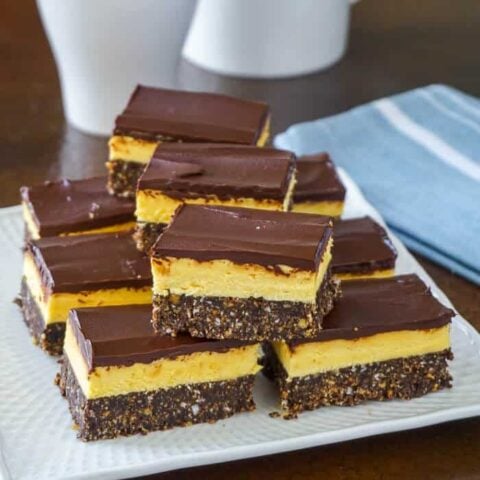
<point x="60" y="273"/>
<point x="226" y="272"/>
<point x="318" y="189"/>
<point x="121" y="378"/>
<point x="363" y="249"/>
<point x="385" y="339"/>
<point x="74" y="207"/>
<point x="156" y="115"/>
<point x="210" y="174"/>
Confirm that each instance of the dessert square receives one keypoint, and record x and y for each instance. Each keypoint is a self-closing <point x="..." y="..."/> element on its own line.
<point x="385" y="339"/>
<point x="61" y="273"/>
<point x="211" y="174"/>
<point x="155" y="115"/>
<point x="120" y="378"/>
<point x="363" y="249"/>
<point x="226" y="272"/>
<point x="319" y="189"/>
<point x="74" y="207"/>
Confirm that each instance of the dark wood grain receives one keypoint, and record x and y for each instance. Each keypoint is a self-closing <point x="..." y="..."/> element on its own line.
<point x="395" y="45"/>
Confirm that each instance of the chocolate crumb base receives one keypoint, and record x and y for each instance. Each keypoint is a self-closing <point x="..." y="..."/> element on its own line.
<point x="143" y="412"/>
<point x="49" y="337"/>
<point x="402" y="378"/>
<point x="146" y="235"/>
<point x="123" y="177"/>
<point x="254" y="319"/>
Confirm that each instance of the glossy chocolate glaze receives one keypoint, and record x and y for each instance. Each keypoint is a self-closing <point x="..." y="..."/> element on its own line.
<point x="90" y="262"/>
<point x="75" y="205"/>
<point x="155" y="113"/>
<point x="124" y="335"/>
<point x="367" y="307"/>
<point x="186" y="170"/>
<point x="317" y="180"/>
<point x="244" y="235"/>
<point x="361" y="246"/>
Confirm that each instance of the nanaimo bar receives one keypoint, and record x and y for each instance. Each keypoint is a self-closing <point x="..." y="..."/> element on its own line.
<point x="155" y="115"/>
<point x="319" y="189"/>
<point x="213" y="174"/>
<point x="363" y="249"/>
<point x="120" y="378"/>
<point x="61" y="273"/>
<point x="226" y="272"/>
<point x="385" y="339"/>
<point x="74" y="207"/>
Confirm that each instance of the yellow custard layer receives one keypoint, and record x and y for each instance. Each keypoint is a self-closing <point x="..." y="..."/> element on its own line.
<point x="131" y="149"/>
<point x="389" y="272"/>
<point x="153" y="206"/>
<point x="317" y="357"/>
<point x="55" y="307"/>
<point x="265" y="135"/>
<point x="35" y="235"/>
<point x="223" y="278"/>
<point x="163" y="373"/>
<point x="328" y="208"/>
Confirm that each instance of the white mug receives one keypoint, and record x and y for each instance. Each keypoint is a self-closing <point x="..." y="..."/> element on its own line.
<point x="267" y="38"/>
<point x="103" y="48"/>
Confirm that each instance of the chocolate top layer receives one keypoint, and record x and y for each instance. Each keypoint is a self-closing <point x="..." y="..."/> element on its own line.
<point x="244" y="235"/>
<point x="90" y="262"/>
<point x="317" y="180"/>
<point x="75" y="205"/>
<point x="367" y="307"/>
<point x="124" y="335"/>
<point x="361" y="246"/>
<point x="186" y="170"/>
<point x="155" y="113"/>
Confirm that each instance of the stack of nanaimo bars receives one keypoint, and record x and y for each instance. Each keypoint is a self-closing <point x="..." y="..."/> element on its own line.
<point x="205" y="256"/>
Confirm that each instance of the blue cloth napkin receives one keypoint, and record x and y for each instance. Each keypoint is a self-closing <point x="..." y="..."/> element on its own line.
<point x="416" y="156"/>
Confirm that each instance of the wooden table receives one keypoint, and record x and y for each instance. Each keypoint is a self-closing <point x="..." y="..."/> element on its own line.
<point x="395" y="45"/>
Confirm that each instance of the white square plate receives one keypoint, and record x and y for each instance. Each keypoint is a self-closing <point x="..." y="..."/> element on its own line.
<point x="36" y="436"/>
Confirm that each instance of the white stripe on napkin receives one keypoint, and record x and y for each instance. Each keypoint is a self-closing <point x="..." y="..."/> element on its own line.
<point x="427" y="139"/>
<point x="449" y="113"/>
<point x="458" y="100"/>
